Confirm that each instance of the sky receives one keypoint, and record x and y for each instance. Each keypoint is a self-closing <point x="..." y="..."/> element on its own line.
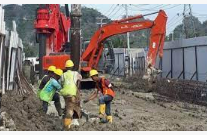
<point x="116" y="11"/>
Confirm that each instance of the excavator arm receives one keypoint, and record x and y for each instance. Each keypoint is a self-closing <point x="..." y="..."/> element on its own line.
<point x="158" y="29"/>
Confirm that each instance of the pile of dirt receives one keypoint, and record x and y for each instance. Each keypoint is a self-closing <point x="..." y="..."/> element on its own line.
<point x="180" y="90"/>
<point x="27" y="114"/>
<point x="183" y="90"/>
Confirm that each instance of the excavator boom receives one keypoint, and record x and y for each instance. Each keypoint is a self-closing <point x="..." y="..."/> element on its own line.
<point x="158" y="29"/>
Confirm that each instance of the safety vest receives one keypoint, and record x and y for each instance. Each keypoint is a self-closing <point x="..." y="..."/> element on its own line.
<point x="105" y="90"/>
<point x="39" y="83"/>
<point x="46" y="94"/>
<point x="69" y="84"/>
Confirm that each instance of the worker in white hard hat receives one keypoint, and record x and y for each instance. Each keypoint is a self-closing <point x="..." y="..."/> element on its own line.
<point x="106" y="92"/>
<point x="50" y="83"/>
<point x="71" y="93"/>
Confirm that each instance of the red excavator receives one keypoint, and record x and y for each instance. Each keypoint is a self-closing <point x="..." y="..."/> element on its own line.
<point x="53" y="27"/>
<point x="95" y="48"/>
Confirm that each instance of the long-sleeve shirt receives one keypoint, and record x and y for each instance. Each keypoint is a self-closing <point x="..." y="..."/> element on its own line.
<point x="53" y="84"/>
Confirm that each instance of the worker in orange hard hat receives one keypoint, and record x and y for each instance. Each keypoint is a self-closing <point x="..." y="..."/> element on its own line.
<point x="106" y="92"/>
<point x="71" y="93"/>
<point x="54" y="75"/>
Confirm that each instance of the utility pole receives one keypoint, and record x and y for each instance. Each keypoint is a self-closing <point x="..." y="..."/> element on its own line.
<point x="101" y="21"/>
<point x="187" y="14"/>
<point x="128" y="45"/>
<point x="128" y="34"/>
<point x="76" y="35"/>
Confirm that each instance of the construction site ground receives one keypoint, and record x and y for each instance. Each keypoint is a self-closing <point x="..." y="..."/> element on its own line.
<point x="133" y="109"/>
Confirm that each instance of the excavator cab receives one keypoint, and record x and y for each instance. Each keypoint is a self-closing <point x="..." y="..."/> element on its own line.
<point x="107" y="60"/>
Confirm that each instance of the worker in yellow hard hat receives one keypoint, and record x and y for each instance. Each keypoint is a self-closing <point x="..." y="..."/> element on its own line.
<point x="106" y="92"/>
<point x="48" y="87"/>
<point x="71" y="93"/>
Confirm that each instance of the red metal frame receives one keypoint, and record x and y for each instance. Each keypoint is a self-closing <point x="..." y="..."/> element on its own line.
<point x="55" y="25"/>
<point x="158" y="31"/>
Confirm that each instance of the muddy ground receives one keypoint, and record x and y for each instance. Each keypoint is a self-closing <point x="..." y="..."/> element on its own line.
<point x="132" y="109"/>
<point x="26" y="112"/>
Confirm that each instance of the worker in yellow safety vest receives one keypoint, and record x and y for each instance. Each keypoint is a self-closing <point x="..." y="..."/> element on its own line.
<point x="71" y="93"/>
<point x="106" y="95"/>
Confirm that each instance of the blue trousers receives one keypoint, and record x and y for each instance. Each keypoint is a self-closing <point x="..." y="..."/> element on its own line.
<point x="106" y="99"/>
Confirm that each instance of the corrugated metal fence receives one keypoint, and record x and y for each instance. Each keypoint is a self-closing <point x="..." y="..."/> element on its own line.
<point x="183" y="59"/>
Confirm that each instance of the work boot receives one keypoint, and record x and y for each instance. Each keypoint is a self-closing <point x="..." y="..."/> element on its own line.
<point x="67" y="123"/>
<point x="102" y="109"/>
<point x="75" y="122"/>
<point x="102" y="115"/>
<point x="109" y="119"/>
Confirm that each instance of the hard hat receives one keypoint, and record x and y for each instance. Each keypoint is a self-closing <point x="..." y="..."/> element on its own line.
<point x="69" y="63"/>
<point x="58" y="72"/>
<point x="52" y="68"/>
<point x="93" y="72"/>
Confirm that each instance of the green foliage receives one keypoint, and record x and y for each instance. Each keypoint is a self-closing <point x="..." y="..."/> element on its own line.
<point x="24" y="16"/>
<point x="30" y="51"/>
<point x="190" y="24"/>
<point x="89" y="20"/>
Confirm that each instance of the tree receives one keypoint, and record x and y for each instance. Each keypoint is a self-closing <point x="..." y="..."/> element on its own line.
<point x="193" y="28"/>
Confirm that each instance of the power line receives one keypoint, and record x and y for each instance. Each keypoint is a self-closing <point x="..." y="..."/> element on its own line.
<point x="114" y="14"/>
<point x="179" y="15"/>
<point x="156" y="8"/>
<point x="109" y="9"/>
<point x="175" y="24"/>
<point x="172" y="18"/>
<point x="199" y="14"/>
<point x="176" y="5"/>
<point x="121" y="13"/>
<point x="147" y="9"/>
<point x="112" y="11"/>
<point x="172" y="22"/>
<point x="178" y="21"/>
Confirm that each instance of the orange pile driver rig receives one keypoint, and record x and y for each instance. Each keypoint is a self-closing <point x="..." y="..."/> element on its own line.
<point x="53" y="28"/>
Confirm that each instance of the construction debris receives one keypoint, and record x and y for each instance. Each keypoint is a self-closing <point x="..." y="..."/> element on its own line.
<point x="178" y="90"/>
<point x="12" y="77"/>
<point x="7" y="123"/>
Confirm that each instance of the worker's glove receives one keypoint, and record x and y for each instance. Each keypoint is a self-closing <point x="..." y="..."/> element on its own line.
<point x="85" y="101"/>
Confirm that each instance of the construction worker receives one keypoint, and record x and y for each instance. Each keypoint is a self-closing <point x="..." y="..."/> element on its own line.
<point x="106" y="92"/>
<point x="47" y="76"/>
<point x="71" y="93"/>
<point x="48" y="87"/>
